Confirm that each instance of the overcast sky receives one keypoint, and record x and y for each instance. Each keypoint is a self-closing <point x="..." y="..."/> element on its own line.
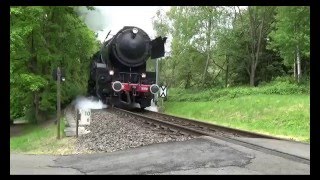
<point x="116" y="17"/>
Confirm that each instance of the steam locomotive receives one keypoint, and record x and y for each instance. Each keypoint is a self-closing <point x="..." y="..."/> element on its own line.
<point x="118" y="73"/>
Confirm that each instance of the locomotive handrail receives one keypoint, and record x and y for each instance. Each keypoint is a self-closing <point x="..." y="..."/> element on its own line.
<point x="125" y="73"/>
<point x="128" y="73"/>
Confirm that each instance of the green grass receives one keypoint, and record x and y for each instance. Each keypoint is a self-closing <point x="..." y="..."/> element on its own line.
<point x="37" y="139"/>
<point x="276" y="87"/>
<point x="285" y="116"/>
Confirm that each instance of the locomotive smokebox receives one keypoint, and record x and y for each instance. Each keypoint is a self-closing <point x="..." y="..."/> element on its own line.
<point x="132" y="47"/>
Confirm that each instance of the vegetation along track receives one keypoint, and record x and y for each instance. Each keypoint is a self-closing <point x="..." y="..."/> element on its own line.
<point x="201" y="128"/>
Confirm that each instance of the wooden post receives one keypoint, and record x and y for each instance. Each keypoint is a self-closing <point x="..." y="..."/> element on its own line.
<point x="58" y="101"/>
<point x="162" y="107"/>
<point x="77" y="122"/>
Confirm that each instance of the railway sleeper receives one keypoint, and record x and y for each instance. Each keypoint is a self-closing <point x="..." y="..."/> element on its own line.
<point x="164" y="127"/>
<point x="156" y="125"/>
<point x="173" y="130"/>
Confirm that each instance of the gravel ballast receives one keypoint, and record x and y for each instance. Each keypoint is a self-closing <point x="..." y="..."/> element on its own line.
<point x="112" y="131"/>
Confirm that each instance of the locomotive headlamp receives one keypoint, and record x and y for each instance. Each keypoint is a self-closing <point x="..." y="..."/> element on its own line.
<point x="143" y="75"/>
<point x="111" y="72"/>
<point x="135" y="30"/>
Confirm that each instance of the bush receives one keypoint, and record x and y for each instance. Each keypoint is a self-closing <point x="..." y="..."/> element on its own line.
<point x="284" y="86"/>
<point x="280" y="86"/>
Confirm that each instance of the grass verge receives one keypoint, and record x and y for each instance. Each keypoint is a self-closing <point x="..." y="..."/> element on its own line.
<point x="286" y="116"/>
<point x="37" y="139"/>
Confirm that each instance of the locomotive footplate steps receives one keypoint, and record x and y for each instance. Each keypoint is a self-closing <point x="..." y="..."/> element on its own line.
<point x="134" y="92"/>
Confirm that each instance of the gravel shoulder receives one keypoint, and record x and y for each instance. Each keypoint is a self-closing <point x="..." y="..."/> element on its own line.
<point x="111" y="132"/>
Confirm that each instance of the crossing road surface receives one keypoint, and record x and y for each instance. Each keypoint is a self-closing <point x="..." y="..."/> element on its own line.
<point x="203" y="155"/>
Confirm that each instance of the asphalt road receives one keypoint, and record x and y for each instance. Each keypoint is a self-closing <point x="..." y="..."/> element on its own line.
<point x="204" y="155"/>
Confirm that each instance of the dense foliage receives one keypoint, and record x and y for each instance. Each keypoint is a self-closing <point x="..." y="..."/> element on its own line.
<point x="232" y="46"/>
<point x="41" y="39"/>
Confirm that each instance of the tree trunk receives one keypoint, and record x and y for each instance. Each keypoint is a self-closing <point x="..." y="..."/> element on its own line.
<point x="227" y="70"/>
<point x="252" y="75"/>
<point x="208" y="51"/>
<point x="172" y="80"/>
<point x="33" y="59"/>
<point x="255" y="47"/>
<point x="36" y="105"/>
<point x="294" y="70"/>
<point x="304" y="64"/>
<point x="188" y="81"/>
<point x="298" y="64"/>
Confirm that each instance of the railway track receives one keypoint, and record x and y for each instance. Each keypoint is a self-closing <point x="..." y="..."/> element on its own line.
<point x="188" y="126"/>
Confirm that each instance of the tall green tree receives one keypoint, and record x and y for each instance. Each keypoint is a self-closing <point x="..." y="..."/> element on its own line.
<point x="244" y="44"/>
<point x="291" y="36"/>
<point x="42" y="38"/>
<point x="193" y="31"/>
<point x="253" y="26"/>
<point x="178" y="24"/>
<point x="222" y="46"/>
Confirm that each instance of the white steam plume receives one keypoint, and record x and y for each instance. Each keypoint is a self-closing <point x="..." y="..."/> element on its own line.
<point x="88" y="103"/>
<point x="94" y="19"/>
<point x="153" y="107"/>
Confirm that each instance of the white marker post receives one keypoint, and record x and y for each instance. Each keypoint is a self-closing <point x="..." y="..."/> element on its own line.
<point x="85" y="116"/>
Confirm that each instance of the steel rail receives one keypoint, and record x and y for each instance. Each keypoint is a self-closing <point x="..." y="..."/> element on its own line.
<point x="221" y="137"/>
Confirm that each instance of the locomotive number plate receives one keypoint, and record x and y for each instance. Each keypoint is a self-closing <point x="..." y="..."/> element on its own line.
<point x="144" y="88"/>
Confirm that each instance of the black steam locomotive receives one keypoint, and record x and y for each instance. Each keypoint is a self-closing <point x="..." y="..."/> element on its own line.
<point x="118" y="73"/>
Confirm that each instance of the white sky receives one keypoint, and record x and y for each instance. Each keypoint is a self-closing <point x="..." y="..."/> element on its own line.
<point x="117" y="17"/>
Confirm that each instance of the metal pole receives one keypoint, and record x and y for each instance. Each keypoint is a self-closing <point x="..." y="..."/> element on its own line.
<point x="77" y="122"/>
<point x="157" y="78"/>
<point x="58" y="101"/>
<point x="157" y="75"/>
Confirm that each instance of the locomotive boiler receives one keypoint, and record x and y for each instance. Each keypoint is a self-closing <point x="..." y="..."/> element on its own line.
<point x="118" y="71"/>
